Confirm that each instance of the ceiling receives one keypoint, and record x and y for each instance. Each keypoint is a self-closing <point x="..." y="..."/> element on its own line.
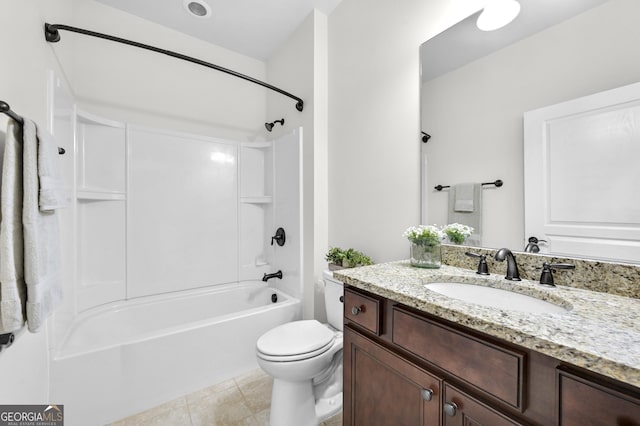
<point x="464" y="42"/>
<point x="255" y="28"/>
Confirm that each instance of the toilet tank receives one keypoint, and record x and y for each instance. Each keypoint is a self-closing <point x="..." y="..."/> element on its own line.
<point x="333" y="296"/>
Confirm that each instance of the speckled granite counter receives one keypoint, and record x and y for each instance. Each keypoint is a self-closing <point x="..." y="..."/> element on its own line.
<point x="599" y="332"/>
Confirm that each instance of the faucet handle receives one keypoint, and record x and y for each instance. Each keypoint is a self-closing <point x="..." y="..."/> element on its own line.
<point x="483" y="268"/>
<point x="532" y="246"/>
<point x="546" y="277"/>
<point x="280" y="237"/>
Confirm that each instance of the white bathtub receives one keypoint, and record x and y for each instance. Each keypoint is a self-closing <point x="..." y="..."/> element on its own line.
<point x="126" y="357"/>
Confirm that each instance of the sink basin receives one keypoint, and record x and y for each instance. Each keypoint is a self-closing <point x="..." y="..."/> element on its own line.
<point x="495" y="298"/>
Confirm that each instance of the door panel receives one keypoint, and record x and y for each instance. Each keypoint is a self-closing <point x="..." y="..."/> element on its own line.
<point x="463" y="410"/>
<point x="383" y="389"/>
<point x="581" y="177"/>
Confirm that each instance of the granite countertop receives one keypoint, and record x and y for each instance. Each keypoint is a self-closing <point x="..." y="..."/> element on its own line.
<point x="599" y="332"/>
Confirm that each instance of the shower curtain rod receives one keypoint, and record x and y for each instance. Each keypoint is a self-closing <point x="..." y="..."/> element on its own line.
<point x="6" y="109"/>
<point x="52" y="34"/>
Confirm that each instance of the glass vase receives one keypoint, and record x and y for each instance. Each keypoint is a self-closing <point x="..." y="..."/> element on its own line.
<point x="453" y="240"/>
<point x="426" y="255"/>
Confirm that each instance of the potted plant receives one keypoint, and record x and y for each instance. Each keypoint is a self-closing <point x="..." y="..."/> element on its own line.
<point x="353" y="258"/>
<point x="350" y="258"/>
<point x="334" y="256"/>
<point x="457" y="233"/>
<point x="425" y="241"/>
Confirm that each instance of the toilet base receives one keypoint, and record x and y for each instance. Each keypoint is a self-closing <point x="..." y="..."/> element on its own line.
<point x="328" y="407"/>
<point x="292" y="404"/>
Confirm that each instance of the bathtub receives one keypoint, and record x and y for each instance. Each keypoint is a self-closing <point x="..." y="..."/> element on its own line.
<point x="126" y="357"/>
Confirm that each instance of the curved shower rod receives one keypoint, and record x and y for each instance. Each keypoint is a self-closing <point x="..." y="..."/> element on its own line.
<point x="52" y="34"/>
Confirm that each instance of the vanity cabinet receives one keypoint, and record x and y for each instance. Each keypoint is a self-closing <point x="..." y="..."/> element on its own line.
<point x="461" y="409"/>
<point x="585" y="402"/>
<point x="406" y="367"/>
<point x="494" y="370"/>
<point x="385" y="389"/>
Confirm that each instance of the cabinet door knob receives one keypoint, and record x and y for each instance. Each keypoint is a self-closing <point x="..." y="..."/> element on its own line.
<point x="427" y="394"/>
<point x="450" y="408"/>
<point x="356" y="310"/>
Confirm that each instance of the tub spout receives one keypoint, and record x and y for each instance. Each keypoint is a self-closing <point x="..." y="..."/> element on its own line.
<point x="267" y="277"/>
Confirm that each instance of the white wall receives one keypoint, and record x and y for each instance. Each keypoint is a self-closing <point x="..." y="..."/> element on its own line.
<point x="287" y="204"/>
<point x="23" y="84"/>
<point x="130" y="84"/>
<point x="374" y="119"/>
<point x="475" y="113"/>
<point x="299" y="67"/>
<point x="320" y="160"/>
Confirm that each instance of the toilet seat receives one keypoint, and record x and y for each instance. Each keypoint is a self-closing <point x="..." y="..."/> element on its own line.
<point x="295" y="341"/>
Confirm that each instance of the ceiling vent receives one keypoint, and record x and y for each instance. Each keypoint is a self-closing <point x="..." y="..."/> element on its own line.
<point x="197" y="8"/>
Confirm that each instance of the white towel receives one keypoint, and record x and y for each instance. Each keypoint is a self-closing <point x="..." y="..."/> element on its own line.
<point x="13" y="292"/>
<point x="469" y="218"/>
<point x="464" y="197"/>
<point x="52" y="194"/>
<point x="42" y="257"/>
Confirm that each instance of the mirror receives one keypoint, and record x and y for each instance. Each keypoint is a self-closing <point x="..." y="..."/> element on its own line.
<point x="477" y="85"/>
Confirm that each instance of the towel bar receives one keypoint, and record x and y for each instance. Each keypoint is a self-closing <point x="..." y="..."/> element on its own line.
<point x="498" y="183"/>
<point x="6" y="109"/>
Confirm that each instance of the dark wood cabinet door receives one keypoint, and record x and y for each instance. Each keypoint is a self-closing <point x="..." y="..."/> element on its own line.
<point x="585" y="403"/>
<point x="495" y="370"/>
<point x="461" y="409"/>
<point x="382" y="389"/>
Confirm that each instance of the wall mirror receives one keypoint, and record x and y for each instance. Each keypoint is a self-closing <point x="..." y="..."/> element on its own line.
<point x="476" y="86"/>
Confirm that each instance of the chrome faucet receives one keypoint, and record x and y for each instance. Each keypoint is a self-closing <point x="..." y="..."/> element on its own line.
<point x="512" y="266"/>
<point x="267" y="277"/>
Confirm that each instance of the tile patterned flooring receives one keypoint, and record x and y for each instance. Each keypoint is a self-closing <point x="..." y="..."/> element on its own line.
<point x="243" y="400"/>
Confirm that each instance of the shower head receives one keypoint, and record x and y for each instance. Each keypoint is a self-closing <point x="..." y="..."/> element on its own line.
<point x="269" y="126"/>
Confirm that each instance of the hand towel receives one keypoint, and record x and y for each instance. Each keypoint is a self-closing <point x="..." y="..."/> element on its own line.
<point x="469" y="218"/>
<point x="42" y="251"/>
<point x="464" y="197"/>
<point x="52" y="195"/>
<point x="13" y="291"/>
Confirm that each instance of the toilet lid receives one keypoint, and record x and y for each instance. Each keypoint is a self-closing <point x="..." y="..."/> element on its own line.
<point x="295" y="338"/>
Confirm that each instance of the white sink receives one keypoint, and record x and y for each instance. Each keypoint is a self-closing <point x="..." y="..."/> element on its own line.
<point x="495" y="298"/>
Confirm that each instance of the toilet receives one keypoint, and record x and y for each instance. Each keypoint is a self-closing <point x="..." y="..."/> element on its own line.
<point x="305" y="360"/>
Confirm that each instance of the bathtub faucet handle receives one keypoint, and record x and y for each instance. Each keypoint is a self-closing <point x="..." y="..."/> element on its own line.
<point x="280" y="237"/>
<point x="267" y="277"/>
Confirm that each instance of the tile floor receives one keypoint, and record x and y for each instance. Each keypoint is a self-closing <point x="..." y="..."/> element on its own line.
<point x="243" y="400"/>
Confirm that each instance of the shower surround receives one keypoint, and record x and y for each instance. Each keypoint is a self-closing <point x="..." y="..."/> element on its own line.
<point x="169" y="235"/>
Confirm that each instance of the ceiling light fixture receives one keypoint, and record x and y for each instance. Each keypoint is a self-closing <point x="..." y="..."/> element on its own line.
<point x="497" y="14"/>
<point x="197" y="8"/>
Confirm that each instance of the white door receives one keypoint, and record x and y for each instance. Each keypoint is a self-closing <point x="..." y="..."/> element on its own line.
<point x="582" y="175"/>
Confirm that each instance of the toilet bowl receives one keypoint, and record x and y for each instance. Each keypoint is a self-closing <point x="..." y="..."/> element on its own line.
<point x="305" y="360"/>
